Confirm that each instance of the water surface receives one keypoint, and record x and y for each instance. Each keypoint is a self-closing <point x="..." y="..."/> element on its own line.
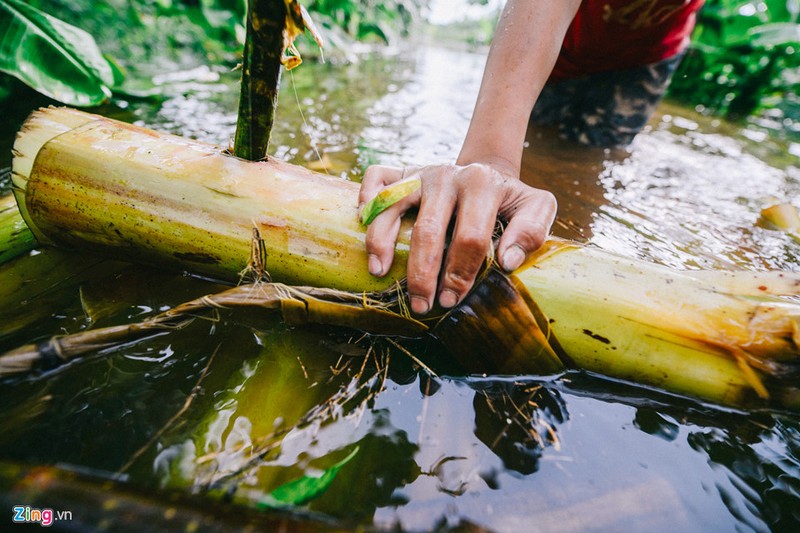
<point x="269" y="403"/>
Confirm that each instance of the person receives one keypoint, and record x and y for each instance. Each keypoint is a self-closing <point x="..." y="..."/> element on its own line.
<point x="595" y="68"/>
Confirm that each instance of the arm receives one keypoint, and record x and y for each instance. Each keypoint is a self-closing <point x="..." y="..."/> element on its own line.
<point x="484" y="182"/>
<point x="524" y="49"/>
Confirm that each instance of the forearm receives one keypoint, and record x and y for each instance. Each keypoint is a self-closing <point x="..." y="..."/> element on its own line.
<point x="524" y="49"/>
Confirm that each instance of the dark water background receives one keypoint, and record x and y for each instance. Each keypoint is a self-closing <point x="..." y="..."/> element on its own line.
<point x="270" y="403"/>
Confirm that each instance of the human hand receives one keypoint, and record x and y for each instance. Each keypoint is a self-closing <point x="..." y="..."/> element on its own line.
<point x="476" y="194"/>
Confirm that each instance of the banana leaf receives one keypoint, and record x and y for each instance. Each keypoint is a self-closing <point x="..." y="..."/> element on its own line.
<point x="53" y="57"/>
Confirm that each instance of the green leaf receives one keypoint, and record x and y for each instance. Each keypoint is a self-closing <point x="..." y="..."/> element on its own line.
<point x="302" y="490"/>
<point x="51" y="56"/>
<point x="224" y="13"/>
<point x="365" y="30"/>
<point x="389" y="195"/>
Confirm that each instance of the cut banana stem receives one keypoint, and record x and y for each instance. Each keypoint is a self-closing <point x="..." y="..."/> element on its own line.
<point x="89" y="182"/>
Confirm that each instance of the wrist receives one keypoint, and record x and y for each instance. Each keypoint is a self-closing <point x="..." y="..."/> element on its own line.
<point x="500" y="163"/>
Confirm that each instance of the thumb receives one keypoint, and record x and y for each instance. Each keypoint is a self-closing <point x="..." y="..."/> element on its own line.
<point x="527" y="230"/>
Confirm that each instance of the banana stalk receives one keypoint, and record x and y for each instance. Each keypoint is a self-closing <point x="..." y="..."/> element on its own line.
<point x="147" y="196"/>
<point x="15" y="237"/>
<point x="90" y="182"/>
<point x="691" y="333"/>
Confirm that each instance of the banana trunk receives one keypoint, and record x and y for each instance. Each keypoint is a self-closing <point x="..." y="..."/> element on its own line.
<point x="86" y="181"/>
<point x="15" y="237"/>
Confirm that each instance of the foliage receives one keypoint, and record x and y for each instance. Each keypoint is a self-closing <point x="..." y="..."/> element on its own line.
<point x="144" y="37"/>
<point x="53" y="57"/>
<point x="150" y="36"/>
<point x="366" y="19"/>
<point x="743" y="58"/>
<point x="147" y="37"/>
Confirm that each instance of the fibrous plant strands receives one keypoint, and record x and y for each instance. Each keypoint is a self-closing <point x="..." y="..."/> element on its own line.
<point x="139" y="194"/>
<point x="298" y="306"/>
<point x="497" y="317"/>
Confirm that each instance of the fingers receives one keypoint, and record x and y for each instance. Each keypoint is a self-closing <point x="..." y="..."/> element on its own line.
<point x="382" y="234"/>
<point x="438" y="200"/>
<point x="375" y="178"/>
<point x="477" y="194"/>
<point x="472" y="237"/>
<point x="530" y="214"/>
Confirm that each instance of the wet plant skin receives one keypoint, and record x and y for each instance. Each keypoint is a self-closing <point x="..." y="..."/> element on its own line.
<point x="261" y="78"/>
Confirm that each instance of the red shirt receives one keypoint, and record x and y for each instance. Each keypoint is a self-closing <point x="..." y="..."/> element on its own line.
<point x="619" y="34"/>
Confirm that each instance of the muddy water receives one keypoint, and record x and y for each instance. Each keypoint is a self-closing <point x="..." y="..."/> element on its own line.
<point x="268" y="403"/>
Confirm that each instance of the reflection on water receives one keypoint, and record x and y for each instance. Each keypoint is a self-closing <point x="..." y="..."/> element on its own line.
<point x="680" y="196"/>
<point x="576" y="453"/>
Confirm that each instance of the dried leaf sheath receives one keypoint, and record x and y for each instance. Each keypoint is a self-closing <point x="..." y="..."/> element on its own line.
<point x="499" y="329"/>
<point x="298" y="306"/>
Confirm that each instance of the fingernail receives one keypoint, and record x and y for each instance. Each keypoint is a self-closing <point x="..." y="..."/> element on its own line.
<point x="448" y="299"/>
<point x="513" y="258"/>
<point x="419" y="305"/>
<point x="375" y="266"/>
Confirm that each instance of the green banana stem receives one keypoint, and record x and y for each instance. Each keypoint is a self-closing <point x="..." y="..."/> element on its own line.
<point x="15" y="237"/>
<point x="261" y="78"/>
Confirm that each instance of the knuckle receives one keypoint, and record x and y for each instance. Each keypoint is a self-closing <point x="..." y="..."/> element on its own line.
<point x="378" y="174"/>
<point x="379" y="246"/>
<point x="459" y="280"/>
<point x="371" y="174"/>
<point x="476" y="171"/>
<point x="471" y="245"/>
<point x="427" y="230"/>
<point x="549" y="201"/>
<point x="421" y="282"/>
